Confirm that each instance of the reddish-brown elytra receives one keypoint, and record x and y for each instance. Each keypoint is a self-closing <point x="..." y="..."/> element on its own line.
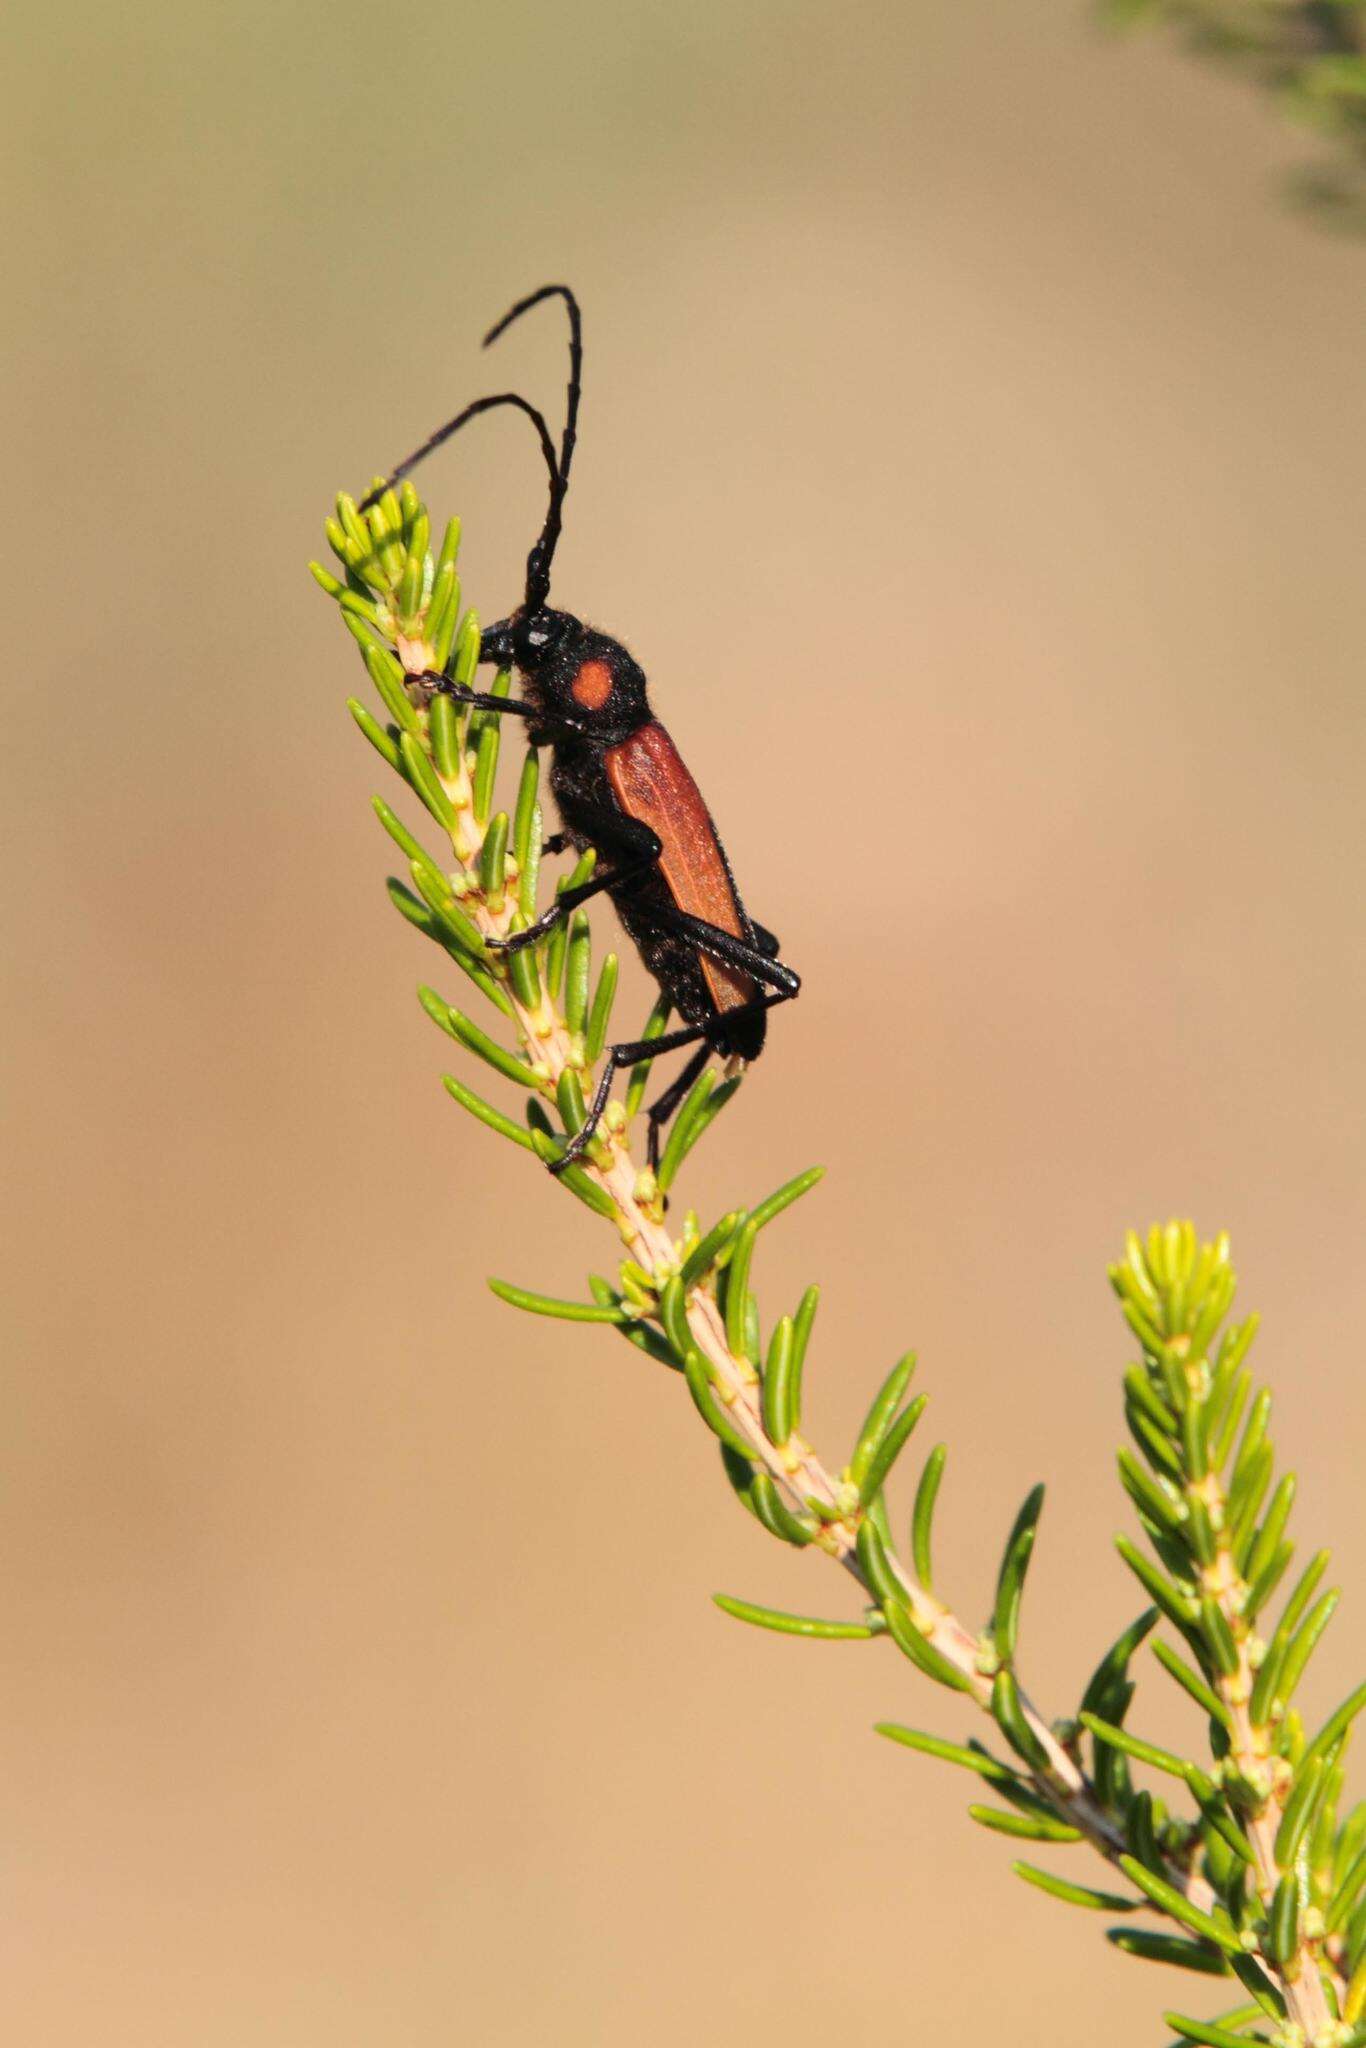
<point x="651" y="783"/>
<point x="622" y="787"/>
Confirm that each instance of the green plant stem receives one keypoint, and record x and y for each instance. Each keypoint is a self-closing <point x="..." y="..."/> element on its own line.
<point x="794" y="1466"/>
<point x="1251" y="1750"/>
<point x="688" y="1302"/>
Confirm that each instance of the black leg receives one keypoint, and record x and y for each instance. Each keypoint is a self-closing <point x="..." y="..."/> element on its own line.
<point x="635" y="847"/>
<point x="659" y="1112"/>
<point x="782" y="986"/>
<point x="722" y="945"/>
<point x="626" y="1055"/>
<point x="617" y="1056"/>
<point x="614" y="1058"/>
<point x="478" y="700"/>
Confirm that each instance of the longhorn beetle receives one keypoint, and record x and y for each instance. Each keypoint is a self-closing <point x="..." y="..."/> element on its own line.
<point x="623" y="788"/>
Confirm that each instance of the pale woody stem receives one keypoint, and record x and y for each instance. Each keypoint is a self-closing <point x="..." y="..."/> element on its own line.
<point x="795" y="1468"/>
<point x="1305" y="2000"/>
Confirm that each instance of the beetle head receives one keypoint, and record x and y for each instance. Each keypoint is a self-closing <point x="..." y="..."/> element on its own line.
<point x="581" y="681"/>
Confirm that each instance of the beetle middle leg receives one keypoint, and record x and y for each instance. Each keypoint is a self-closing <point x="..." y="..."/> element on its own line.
<point x="635" y="849"/>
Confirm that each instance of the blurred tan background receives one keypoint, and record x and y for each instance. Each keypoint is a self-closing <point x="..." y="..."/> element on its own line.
<point x="962" y="407"/>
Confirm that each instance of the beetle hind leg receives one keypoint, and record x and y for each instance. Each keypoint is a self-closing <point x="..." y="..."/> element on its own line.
<point x="664" y="1105"/>
<point x="615" y="1057"/>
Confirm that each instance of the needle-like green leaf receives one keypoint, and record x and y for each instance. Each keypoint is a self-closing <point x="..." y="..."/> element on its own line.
<point x="487" y="1049"/>
<point x="1133" y="1746"/>
<point x="1344" y="1899"/>
<point x="548" y="1305"/>
<point x="640" y="1073"/>
<point x="572" y="1178"/>
<point x="1075" y="1894"/>
<point x="922" y="1515"/>
<point x="1192" y="1683"/>
<point x="924" y="1654"/>
<point x="798" y="1624"/>
<point x="878" y="1420"/>
<point x="485" y="731"/>
<point x="1268" y="1538"/>
<point x="569" y="1101"/>
<point x="1173" y="1949"/>
<point x="708" y="1249"/>
<point x="889" y="1450"/>
<point x="1005" y="1620"/>
<point x="1283" y="1921"/>
<point x="1178" y="1607"/>
<point x="577" y="968"/>
<point x="1302" y="1646"/>
<point x="782" y="1198"/>
<point x="1112" y="1670"/>
<point x="422" y="776"/>
<point x="1009" y="1714"/>
<point x="775" y="1514"/>
<point x="1205" y="2032"/>
<point x="709" y="1406"/>
<point x="1179" y="1908"/>
<point x="384" y="743"/>
<point x="979" y="1761"/>
<point x="486" y="1112"/>
<point x="443" y="732"/>
<point x="777" y="1383"/>
<point x="493" y="864"/>
<point x="1337" y="1724"/>
<point x="681" y="1132"/>
<point x="737" y="1291"/>
<point x="526" y="829"/>
<point x="1035" y="1827"/>
<point x="1299" y="1810"/>
<point x="600" y="1016"/>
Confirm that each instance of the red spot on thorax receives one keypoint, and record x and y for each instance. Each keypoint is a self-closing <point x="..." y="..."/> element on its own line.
<point x="592" y="686"/>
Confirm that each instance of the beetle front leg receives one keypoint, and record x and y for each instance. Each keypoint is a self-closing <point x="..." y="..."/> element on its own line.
<point x="474" y="700"/>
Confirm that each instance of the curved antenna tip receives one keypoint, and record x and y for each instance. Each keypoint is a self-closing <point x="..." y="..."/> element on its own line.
<point x="545" y="291"/>
<point x="467" y="413"/>
<point x="543" y="553"/>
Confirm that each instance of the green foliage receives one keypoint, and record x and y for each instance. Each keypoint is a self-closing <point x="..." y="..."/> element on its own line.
<point x="1256" y="1867"/>
<point x="1310" y="56"/>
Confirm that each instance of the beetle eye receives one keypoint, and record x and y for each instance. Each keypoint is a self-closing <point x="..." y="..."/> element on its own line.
<point x="540" y="633"/>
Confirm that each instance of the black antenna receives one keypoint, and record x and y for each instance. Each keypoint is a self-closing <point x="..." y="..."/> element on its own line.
<point x="543" y="552"/>
<point x="470" y="412"/>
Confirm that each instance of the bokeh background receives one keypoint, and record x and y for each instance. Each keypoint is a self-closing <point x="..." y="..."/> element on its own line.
<point x="972" y="452"/>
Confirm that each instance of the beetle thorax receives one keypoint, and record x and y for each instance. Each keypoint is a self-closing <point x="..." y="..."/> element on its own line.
<point x="575" y="675"/>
